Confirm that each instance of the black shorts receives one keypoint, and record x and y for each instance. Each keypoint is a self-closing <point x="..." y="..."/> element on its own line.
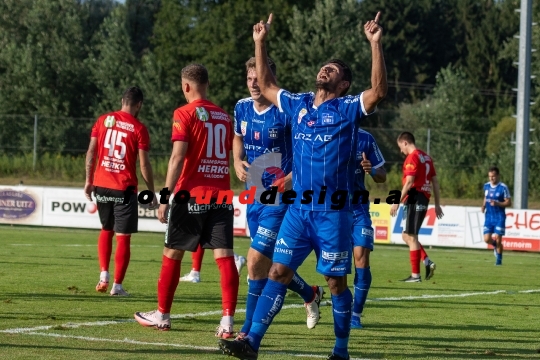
<point x="190" y="224"/>
<point x="414" y="214"/>
<point x="113" y="214"/>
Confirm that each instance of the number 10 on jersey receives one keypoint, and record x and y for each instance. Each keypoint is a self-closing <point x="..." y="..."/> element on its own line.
<point x="216" y="140"/>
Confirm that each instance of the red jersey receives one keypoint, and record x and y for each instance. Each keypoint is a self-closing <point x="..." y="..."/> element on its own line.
<point x="119" y="138"/>
<point x="209" y="131"/>
<point x="420" y="165"/>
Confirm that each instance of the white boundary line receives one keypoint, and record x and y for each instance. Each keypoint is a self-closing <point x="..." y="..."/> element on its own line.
<point x="32" y="331"/>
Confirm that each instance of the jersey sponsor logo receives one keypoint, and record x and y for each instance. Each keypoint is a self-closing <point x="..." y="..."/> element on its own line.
<point x="261" y="149"/>
<point x="309" y="137"/>
<point x="243" y="127"/>
<point x="367" y="232"/>
<point x="219" y="115"/>
<point x="327" y="118"/>
<point x="422" y="160"/>
<point x="301" y="114"/>
<point x="336" y="256"/>
<point x="125" y="126"/>
<point x="257" y="135"/>
<point x="113" y="166"/>
<point x="338" y="269"/>
<point x="266" y="232"/>
<point x="259" y="121"/>
<point x="486" y="193"/>
<point x="202" y="114"/>
<point x="109" y="121"/>
<point x="273" y="133"/>
<point x="281" y="242"/>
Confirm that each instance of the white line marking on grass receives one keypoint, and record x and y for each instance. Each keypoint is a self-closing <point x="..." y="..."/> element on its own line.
<point x="136" y="342"/>
<point x="292" y="306"/>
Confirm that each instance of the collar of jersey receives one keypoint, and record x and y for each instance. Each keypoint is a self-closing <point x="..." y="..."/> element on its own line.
<point x="264" y="111"/>
<point x="494" y="186"/>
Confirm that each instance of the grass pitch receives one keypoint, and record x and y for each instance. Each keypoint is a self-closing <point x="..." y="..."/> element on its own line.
<point x="49" y="308"/>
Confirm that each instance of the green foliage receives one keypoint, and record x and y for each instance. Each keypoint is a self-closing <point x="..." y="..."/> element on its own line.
<point x="499" y="134"/>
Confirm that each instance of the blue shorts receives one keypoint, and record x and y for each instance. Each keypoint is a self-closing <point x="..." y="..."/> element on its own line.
<point x="495" y="226"/>
<point x="264" y="222"/>
<point x="362" y="231"/>
<point x="326" y="232"/>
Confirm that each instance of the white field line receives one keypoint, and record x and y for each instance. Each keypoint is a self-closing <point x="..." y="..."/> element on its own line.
<point x="184" y="346"/>
<point x="292" y="306"/>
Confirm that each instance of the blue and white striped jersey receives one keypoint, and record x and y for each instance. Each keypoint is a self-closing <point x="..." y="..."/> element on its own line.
<point x="264" y="132"/>
<point x="324" y="148"/>
<point x="498" y="192"/>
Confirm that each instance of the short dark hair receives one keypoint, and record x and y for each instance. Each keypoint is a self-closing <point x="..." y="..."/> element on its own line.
<point x="406" y="136"/>
<point x="132" y="96"/>
<point x="494" y="169"/>
<point x="250" y="64"/>
<point x="347" y="72"/>
<point x="196" y="73"/>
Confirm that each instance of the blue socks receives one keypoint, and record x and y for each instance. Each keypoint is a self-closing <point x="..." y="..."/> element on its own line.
<point x="341" y="308"/>
<point x="269" y="304"/>
<point x="299" y="286"/>
<point x="362" y="283"/>
<point x="255" y="289"/>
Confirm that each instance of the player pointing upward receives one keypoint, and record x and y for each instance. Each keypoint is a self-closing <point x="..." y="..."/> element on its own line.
<point x="323" y="128"/>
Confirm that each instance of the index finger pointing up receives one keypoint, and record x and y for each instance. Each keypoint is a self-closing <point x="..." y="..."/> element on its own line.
<point x="377" y="17"/>
<point x="269" y="22"/>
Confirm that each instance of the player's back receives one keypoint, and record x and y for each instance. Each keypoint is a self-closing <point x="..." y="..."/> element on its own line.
<point x="208" y="131"/>
<point x="264" y="132"/>
<point x="420" y="164"/>
<point x="119" y="138"/>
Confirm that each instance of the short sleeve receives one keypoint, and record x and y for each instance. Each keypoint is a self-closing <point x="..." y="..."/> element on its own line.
<point x="95" y="129"/>
<point x="287" y="102"/>
<point x="410" y="167"/>
<point x="506" y="192"/>
<point x="180" y="127"/>
<point x="374" y="154"/>
<point x="238" y="115"/>
<point x="144" y="139"/>
<point x="353" y="107"/>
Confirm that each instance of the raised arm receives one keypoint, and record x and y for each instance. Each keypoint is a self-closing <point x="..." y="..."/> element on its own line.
<point x="379" y="85"/>
<point x="267" y="82"/>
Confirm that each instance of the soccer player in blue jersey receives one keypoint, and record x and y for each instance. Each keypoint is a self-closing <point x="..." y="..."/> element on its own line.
<point x="496" y="200"/>
<point x="371" y="162"/>
<point x="323" y="128"/>
<point x="261" y="129"/>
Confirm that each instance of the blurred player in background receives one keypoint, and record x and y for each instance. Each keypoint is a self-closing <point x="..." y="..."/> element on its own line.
<point x="418" y="177"/>
<point x="261" y="129"/>
<point x="323" y="128"/>
<point x="202" y="141"/>
<point x="371" y="162"/>
<point x="496" y="200"/>
<point x="116" y="140"/>
<point x="197" y="256"/>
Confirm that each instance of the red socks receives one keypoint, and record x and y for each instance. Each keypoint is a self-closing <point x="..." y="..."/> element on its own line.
<point x="121" y="257"/>
<point x="196" y="258"/>
<point x="105" y="249"/>
<point x="167" y="283"/>
<point x="423" y="252"/>
<point x="415" y="261"/>
<point x="229" y="284"/>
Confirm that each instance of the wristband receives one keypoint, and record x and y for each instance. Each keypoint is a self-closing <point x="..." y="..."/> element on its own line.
<point x="373" y="172"/>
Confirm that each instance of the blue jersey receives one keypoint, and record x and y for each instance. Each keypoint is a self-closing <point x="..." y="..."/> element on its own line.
<point x="324" y="148"/>
<point x="264" y="132"/>
<point x="366" y="144"/>
<point x="498" y="192"/>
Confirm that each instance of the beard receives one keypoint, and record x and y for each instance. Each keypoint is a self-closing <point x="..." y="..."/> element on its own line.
<point x="327" y="86"/>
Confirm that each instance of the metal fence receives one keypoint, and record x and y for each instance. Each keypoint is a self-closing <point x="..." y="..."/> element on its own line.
<point x="39" y="134"/>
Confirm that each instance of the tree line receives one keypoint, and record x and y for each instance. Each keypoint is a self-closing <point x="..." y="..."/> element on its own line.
<point x="451" y="66"/>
